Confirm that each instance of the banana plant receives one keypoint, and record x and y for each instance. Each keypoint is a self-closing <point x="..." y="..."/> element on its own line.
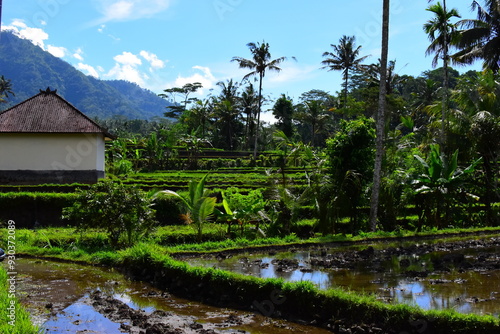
<point x="198" y="204"/>
<point x="249" y="211"/>
<point x="439" y="182"/>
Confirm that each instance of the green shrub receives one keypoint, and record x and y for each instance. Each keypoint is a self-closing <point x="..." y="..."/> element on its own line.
<point x="121" y="211"/>
<point x="34" y="209"/>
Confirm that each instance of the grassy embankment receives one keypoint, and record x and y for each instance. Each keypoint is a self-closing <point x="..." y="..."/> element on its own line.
<point x="14" y="319"/>
<point x="153" y="263"/>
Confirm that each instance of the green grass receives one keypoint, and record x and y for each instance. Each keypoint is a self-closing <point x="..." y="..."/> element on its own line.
<point x="14" y="319"/>
<point x="152" y="262"/>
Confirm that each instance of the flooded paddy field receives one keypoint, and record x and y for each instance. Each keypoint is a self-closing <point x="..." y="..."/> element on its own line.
<point x="461" y="274"/>
<point x="70" y="298"/>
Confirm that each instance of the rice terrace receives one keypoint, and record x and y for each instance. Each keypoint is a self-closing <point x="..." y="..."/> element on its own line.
<point x="371" y="210"/>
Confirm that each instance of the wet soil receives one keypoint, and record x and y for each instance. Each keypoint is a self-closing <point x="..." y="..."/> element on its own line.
<point x="372" y="258"/>
<point x="70" y="298"/>
<point x="461" y="274"/>
<point x="161" y="322"/>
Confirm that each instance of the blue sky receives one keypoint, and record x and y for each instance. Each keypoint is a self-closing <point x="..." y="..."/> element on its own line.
<point x="165" y="43"/>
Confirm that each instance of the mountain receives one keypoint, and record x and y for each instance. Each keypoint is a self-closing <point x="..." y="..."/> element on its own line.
<point x="30" y="69"/>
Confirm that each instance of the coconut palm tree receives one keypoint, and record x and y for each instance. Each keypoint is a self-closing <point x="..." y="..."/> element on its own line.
<point x="478" y="98"/>
<point x="260" y="62"/>
<point x="345" y="57"/>
<point x="480" y="38"/>
<point x="380" y="125"/>
<point x="313" y="113"/>
<point x="249" y="105"/>
<point x="5" y="89"/>
<point x="442" y="35"/>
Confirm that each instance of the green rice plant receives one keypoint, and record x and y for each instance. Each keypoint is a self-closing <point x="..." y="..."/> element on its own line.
<point x="106" y="258"/>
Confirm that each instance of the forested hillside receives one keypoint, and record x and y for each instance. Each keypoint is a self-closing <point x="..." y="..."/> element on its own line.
<point x="30" y="68"/>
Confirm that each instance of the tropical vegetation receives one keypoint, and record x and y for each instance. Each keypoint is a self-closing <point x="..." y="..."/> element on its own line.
<point x="388" y="153"/>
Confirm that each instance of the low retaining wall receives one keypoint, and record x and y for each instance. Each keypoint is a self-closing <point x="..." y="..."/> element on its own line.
<point x="29" y="177"/>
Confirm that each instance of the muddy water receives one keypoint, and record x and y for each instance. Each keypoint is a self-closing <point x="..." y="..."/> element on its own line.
<point x="58" y="297"/>
<point x="467" y="291"/>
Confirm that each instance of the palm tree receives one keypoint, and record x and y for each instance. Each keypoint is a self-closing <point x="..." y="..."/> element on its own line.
<point x="283" y="111"/>
<point x="229" y="90"/>
<point x="478" y="97"/>
<point x="201" y="114"/>
<point x="260" y="62"/>
<point x="314" y="114"/>
<point x="343" y="58"/>
<point x="442" y="35"/>
<point x="249" y="105"/>
<point x="480" y="38"/>
<point x="5" y="89"/>
<point x="379" y="141"/>
<point x="198" y="204"/>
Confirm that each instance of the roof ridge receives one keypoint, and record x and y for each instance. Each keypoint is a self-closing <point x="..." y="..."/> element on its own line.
<point x="20" y="103"/>
<point x="81" y="113"/>
<point x="25" y="111"/>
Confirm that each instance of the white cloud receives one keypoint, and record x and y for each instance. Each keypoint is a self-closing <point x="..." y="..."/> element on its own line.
<point x="203" y="76"/>
<point x="78" y="54"/>
<point x="153" y="60"/>
<point x="126" y="72"/>
<point x="87" y="69"/>
<point x="36" y="35"/>
<point x="57" y="51"/>
<point x="291" y="72"/>
<point x="127" y="58"/>
<point x="101" y="28"/>
<point x="126" y="68"/>
<point x="126" y="10"/>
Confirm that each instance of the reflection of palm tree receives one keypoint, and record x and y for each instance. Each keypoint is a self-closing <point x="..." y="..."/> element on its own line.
<point x="343" y="58"/>
<point x="481" y="37"/>
<point x="260" y="62"/>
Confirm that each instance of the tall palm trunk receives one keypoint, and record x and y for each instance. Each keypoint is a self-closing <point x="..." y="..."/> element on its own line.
<point x="345" y="87"/>
<point x="0" y="15"/>
<point x="261" y="76"/>
<point x="377" y="173"/>
<point x="444" y="107"/>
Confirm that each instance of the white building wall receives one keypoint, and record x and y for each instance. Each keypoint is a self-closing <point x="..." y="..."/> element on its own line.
<point x="51" y="152"/>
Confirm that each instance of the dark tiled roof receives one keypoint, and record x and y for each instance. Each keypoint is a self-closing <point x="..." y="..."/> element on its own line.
<point x="47" y="112"/>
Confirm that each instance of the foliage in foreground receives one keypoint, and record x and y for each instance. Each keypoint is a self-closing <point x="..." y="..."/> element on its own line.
<point x="198" y="204"/>
<point x="16" y="321"/>
<point x="149" y="262"/>
<point x="123" y="212"/>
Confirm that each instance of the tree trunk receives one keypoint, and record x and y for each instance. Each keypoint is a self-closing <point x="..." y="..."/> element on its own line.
<point x="377" y="173"/>
<point x="444" y="106"/>
<point x="346" y="82"/>
<point x="258" y="118"/>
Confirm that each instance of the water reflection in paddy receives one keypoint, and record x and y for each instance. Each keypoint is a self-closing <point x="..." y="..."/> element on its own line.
<point x="57" y="296"/>
<point x="468" y="291"/>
